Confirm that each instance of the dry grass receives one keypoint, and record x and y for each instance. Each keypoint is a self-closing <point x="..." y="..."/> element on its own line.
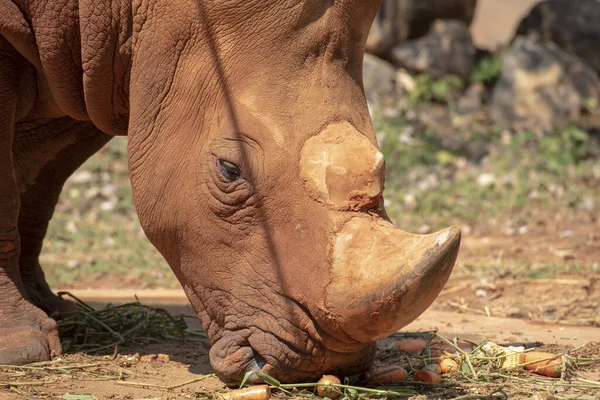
<point x="135" y="325"/>
<point x="127" y="325"/>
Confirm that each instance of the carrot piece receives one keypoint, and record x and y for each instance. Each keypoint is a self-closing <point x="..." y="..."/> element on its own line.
<point x="261" y="392"/>
<point x="328" y="391"/>
<point x="433" y="368"/>
<point x="551" y="364"/>
<point x="448" y="365"/>
<point x="427" y="376"/>
<point x="387" y="375"/>
<point x="411" y="345"/>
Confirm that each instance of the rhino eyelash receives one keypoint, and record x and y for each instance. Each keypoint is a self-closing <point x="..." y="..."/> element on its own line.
<point x="228" y="170"/>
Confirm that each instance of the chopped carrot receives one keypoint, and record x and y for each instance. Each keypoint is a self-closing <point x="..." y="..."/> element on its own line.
<point x="433" y="368"/>
<point x="448" y="365"/>
<point x="551" y="364"/>
<point x="427" y="376"/>
<point x="411" y="345"/>
<point x="261" y="392"/>
<point x="387" y="375"/>
<point x="326" y="390"/>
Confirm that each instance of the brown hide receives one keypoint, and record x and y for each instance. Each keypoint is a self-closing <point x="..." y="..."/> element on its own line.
<point x="254" y="166"/>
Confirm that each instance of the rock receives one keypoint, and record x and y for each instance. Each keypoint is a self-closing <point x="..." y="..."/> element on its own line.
<point x="398" y="20"/>
<point x="541" y="86"/>
<point x="587" y="204"/>
<point x="567" y="234"/>
<point x="543" y="396"/>
<point x="423" y="13"/>
<point x="404" y="81"/>
<point x="446" y="50"/>
<point x="473" y="98"/>
<point x="148" y="358"/>
<point x="486" y="179"/>
<point x="411" y="202"/>
<point x="391" y="26"/>
<point x="424" y="229"/>
<point x="571" y="25"/>
<point x="379" y="80"/>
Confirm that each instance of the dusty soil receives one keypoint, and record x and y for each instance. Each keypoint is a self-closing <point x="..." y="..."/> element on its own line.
<point x="551" y="272"/>
<point x="177" y="371"/>
<point x="538" y="285"/>
<point x="541" y="286"/>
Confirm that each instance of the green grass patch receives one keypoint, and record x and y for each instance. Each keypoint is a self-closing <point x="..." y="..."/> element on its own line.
<point x="95" y="235"/>
<point x="469" y="176"/>
<point x="474" y="175"/>
<point x="487" y="69"/>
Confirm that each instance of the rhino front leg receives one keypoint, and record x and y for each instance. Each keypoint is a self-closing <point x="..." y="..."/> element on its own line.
<point x="60" y="146"/>
<point x="26" y="332"/>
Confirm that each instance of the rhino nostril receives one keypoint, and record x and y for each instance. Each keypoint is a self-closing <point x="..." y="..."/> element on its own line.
<point x="260" y="360"/>
<point x="256" y="365"/>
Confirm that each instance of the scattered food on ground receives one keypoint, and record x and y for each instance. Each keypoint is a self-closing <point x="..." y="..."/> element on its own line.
<point x="259" y="392"/>
<point x="139" y="366"/>
<point x="387" y="375"/>
<point x="325" y="388"/>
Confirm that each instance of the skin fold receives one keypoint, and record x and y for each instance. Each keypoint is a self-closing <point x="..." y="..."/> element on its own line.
<point x="253" y="163"/>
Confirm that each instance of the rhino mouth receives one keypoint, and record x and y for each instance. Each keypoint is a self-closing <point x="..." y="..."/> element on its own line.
<point x="252" y="326"/>
<point x="294" y="367"/>
<point x="290" y="356"/>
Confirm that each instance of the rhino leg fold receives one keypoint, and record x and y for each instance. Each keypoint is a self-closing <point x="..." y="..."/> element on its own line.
<point x="26" y="332"/>
<point x="70" y="143"/>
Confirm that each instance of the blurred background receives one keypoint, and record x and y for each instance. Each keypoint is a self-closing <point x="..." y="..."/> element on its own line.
<point x="487" y="112"/>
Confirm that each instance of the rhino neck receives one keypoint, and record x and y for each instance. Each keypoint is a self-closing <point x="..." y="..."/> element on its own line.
<point x="81" y="51"/>
<point x="106" y="37"/>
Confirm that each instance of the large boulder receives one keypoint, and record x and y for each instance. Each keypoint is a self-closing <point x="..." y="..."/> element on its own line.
<point x="542" y="86"/>
<point x="446" y="50"/>
<point x="573" y="25"/>
<point x="399" y="20"/>
<point x="391" y="26"/>
<point x="379" y="78"/>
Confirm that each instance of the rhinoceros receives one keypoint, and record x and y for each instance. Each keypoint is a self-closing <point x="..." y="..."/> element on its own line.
<point x="254" y="167"/>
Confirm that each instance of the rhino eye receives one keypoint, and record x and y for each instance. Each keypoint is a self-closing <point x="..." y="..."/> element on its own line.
<point x="230" y="171"/>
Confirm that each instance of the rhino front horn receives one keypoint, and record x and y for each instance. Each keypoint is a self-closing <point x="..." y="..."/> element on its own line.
<point x="383" y="278"/>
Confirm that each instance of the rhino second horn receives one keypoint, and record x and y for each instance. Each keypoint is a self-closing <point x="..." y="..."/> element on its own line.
<point x="341" y="167"/>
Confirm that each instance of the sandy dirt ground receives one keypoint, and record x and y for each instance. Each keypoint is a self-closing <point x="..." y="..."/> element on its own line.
<point x="182" y="371"/>
<point x="559" y="313"/>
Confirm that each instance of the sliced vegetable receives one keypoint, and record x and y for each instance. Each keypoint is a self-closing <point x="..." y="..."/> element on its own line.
<point x="433" y="368"/>
<point x="387" y="375"/>
<point x="261" y="392"/>
<point x="328" y="391"/>
<point x="448" y="365"/>
<point x="411" y="345"/>
<point x="550" y="365"/>
<point x="427" y="376"/>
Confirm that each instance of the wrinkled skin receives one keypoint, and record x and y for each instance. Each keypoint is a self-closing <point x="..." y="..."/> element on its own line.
<point x="254" y="168"/>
